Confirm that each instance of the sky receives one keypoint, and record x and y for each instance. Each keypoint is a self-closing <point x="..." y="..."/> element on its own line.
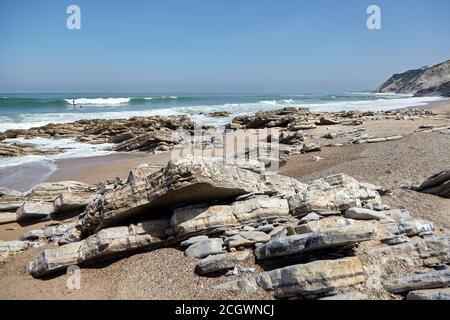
<point x="216" y="45"/>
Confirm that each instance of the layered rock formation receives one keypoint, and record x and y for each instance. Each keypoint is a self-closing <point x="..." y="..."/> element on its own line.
<point x="432" y="80"/>
<point x="329" y="239"/>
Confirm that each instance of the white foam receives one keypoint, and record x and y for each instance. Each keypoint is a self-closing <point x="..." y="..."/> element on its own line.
<point x="99" y="101"/>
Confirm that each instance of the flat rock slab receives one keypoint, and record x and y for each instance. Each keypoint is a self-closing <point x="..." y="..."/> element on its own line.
<point x="204" y="248"/>
<point x="299" y="244"/>
<point x="432" y="294"/>
<point x="364" y="214"/>
<point x="426" y="252"/>
<point x="221" y="262"/>
<point x="34" y="210"/>
<point x="192" y="240"/>
<point x="304" y="280"/>
<point x="196" y="219"/>
<point x="8" y="217"/>
<point x="246" y="238"/>
<point x="105" y="244"/>
<point x="429" y="280"/>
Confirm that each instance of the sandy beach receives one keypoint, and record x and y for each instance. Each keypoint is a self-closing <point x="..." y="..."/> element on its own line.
<point x="390" y="164"/>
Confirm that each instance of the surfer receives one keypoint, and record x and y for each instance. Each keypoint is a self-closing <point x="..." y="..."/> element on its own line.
<point x="73" y="102"/>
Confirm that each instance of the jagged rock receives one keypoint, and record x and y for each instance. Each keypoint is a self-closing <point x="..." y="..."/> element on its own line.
<point x="332" y="195"/>
<point x="105" y="244"/>
<point x="347" y="297"/>
<point x="141" y="172"/>
<point x="426" y="252"/>
<point x="291" y="137"/>
<point x="246" y="238"/>
<point x="431" y="294"/>
<point x="34" y="210"/>
<point x="204" y="248"/>
<point x="410" y="227"/>
<point x="192" y="240"/>
<point x="182" y="182"/>
<point x="8" y="217"/>
<point x="53" y="233"/>
<point x="429" y="280"/>
<point x="304" y="280"/>
<point x="195" y="219"/>
<point x="148" y="141"/>
<point x="438" y="184"/>
<point x="364" y="214"/>
<point x="300" y="244"/>
<point x="221" y="262"/>
<point x="32" y="235"/>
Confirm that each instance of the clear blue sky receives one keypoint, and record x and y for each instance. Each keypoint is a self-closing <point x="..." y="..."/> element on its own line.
<point x="219" y="46"/>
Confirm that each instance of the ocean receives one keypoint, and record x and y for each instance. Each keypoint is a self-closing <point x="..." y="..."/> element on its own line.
<point x="23" y="111"/>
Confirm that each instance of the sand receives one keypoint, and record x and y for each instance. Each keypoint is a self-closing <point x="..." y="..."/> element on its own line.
<point x="168" y="274"/>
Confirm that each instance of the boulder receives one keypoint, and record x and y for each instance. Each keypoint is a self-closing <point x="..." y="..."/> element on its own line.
<point x="31" y="210"/>
<point x="204" y="248"/>
<point x="428" y="280"/>
<point x="300" y="244"/>
<point x="106" y="244"/>
<point x="304" y="280"/>
<point x="431" y="294"/>
<point x="182" y="182"/>
<point x="192" y="240"/>
<point x="246" y="238"/>
<point x="332" y="195"/>
<point x="221" y="262"/>
<point x="68" y="202"/>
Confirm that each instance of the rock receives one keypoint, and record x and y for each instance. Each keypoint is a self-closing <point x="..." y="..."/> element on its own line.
<point x="426" y="252"/>
<point x="431" y="294"/>
<point x="32" y="235"/>
<point x="69" y="201"/>
<point x="265" y="228"/>
<point x="218" y="114"/>
<point x="221" y="262"/>
<point x="300" y="244"/>
<point x="382" y="207"/>
<point x="429" y="280"/>
<point x="121" y="137"/>
<point x="31" y="210"/>
<point x="192" y="240"/>
<point x="54" y="233"/>
<point x="196" y="219"/>
<point x="332" y="195"/>
<point x="304" y="280"/>
<point x="395" y="240"/>
<point x="182" y="182"/>
<point x="364" y="214"/>
<point x="204" y="248"/>
<point x="10" y="199"/>
<point x="148" y="141"/>
<point x="106" y="244"/>
<point x="310" y="148"/>
<point x="247" y="270"/>
<point x="49" y="191"/>
<point x="8" y="248"/>
<point x="310" y="217"/>
<point x="347" y="296"/>
<point x="233" y="272"/>
<point x="438" y="184"/>
<point x="327" y="121"/>
<point x="410" y="227"/>
<point x="246" y="238"/>
<point x="291" y="137"/>
<point x="7" y="217"/>
<point x="323" y="224"/>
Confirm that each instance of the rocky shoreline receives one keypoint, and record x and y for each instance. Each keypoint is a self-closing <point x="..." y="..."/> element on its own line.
<point x="247" y="229"/>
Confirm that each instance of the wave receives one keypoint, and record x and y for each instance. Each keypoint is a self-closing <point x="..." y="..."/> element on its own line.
<point x="98" y="101"/>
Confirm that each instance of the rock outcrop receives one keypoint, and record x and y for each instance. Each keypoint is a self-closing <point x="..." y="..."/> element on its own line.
<point x="438" y="184"/>
<point x="426" y="80"/>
